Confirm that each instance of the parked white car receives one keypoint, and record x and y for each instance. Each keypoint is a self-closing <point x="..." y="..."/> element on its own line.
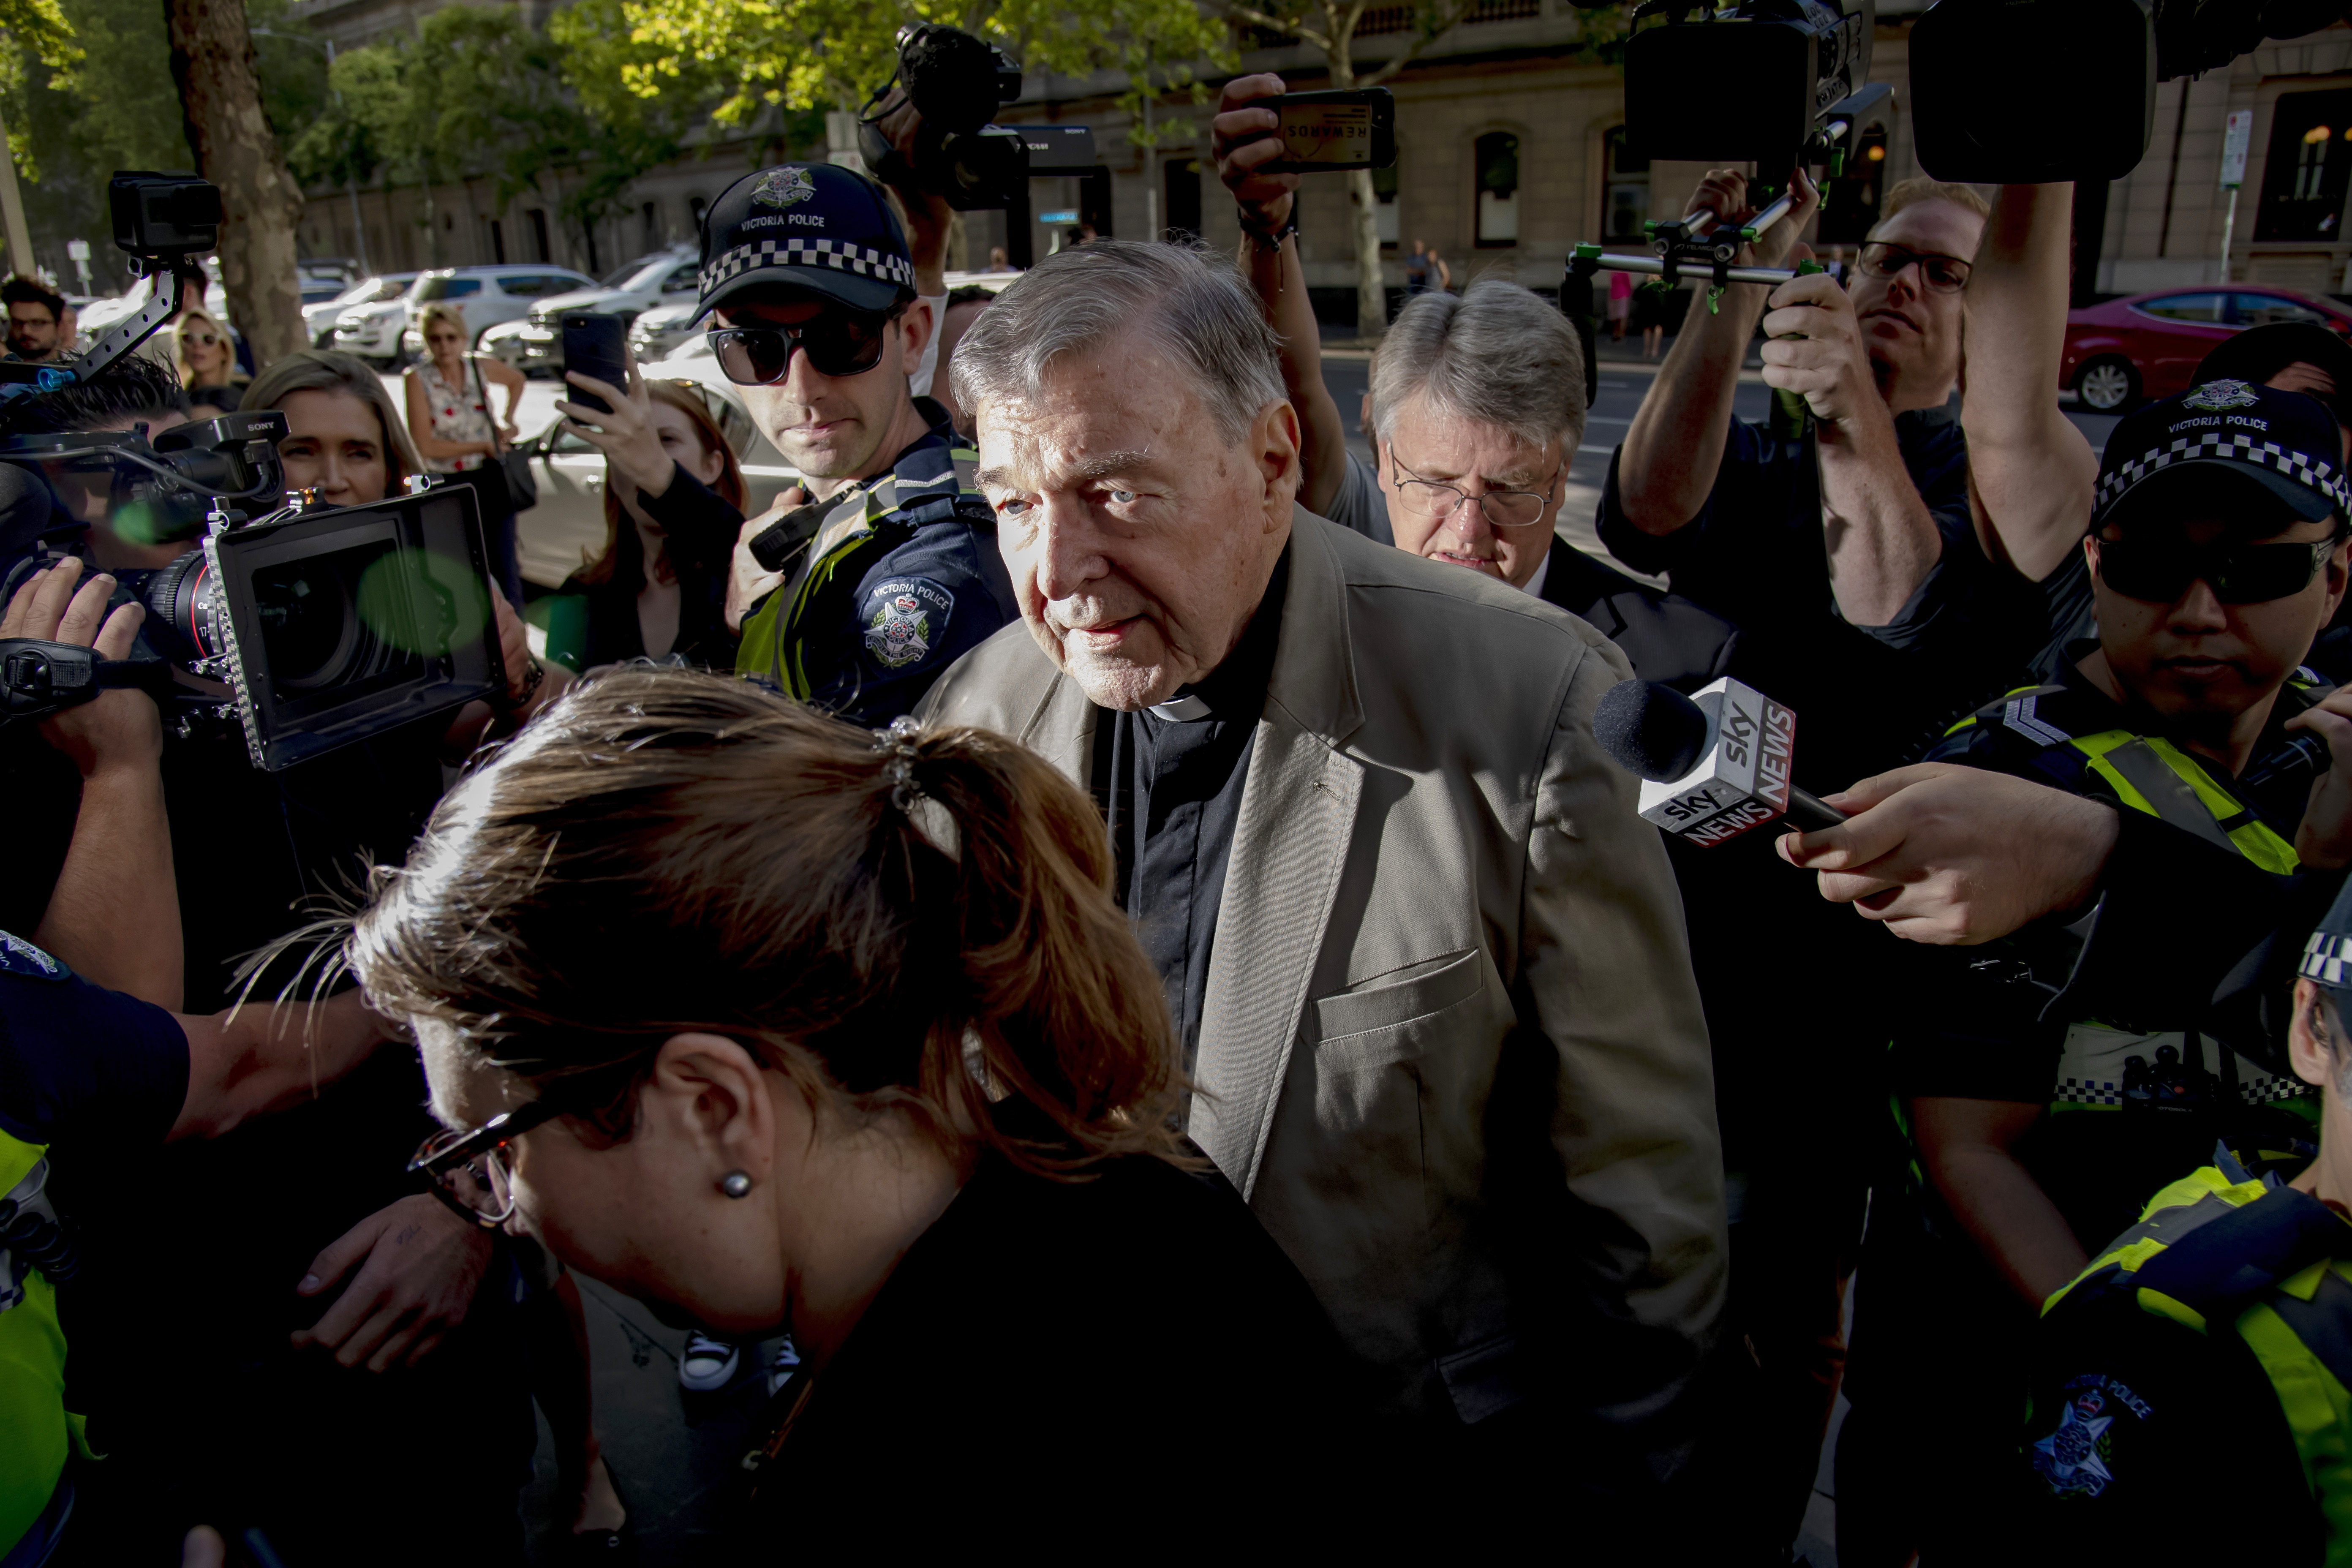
<point x="319" y="321"/>
<point x="504" y="341"/>
<point x="664" y="330"/>
<point x="667" y="278"/>
<point x="486" y="296"/>
<point x="372" y="330"/>
<point x="567" y="526"/>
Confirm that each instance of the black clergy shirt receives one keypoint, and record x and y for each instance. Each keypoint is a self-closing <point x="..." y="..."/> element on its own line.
<point x="1171" y="786"/>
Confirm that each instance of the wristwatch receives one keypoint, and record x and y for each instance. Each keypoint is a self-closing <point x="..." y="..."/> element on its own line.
<point x="534" y="673"/>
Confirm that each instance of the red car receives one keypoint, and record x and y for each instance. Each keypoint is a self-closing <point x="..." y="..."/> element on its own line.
<point x="2148" y="345"/>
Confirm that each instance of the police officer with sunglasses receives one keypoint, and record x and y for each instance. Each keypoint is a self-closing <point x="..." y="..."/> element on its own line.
<point x="881" y="568"/>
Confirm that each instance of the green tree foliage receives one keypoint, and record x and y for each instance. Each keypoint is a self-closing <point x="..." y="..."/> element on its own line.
<point x="831" y="54"/>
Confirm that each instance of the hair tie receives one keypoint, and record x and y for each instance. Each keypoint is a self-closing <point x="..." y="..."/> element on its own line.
<point x="897" y="744"/>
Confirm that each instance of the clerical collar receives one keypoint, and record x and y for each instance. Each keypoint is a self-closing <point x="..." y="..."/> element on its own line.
<point x="1237" y="687"/>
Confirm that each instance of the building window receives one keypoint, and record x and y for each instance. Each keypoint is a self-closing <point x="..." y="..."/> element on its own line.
<point x="1625" y="184"/>
<point x="2310" y="159"/>
<point x="1498" y="189"/>
<point x="695" y="207"/>
<point x="545" y="252"/>
<point x="653" y="225"/>
<point x="497" y="242"/>
<point x="1179" y="179"/>
<point x="1385" y="206"/>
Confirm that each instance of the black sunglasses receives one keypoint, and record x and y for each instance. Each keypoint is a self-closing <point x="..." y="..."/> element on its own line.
<point x="2158" y="571"/>
<point x="838" y="343"/>
<point x="469" y="1170"/>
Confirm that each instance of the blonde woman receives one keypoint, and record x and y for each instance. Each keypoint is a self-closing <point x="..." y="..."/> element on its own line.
<point x="206" y="357"/>
<point x="450" y="419"/>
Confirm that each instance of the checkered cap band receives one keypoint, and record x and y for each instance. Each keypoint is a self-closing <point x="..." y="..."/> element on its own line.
<point x="838" y="254"/>
<point x="2237" y="448"/>
<point x="2262" y="1089"/>
<point x="2328" y="961"/>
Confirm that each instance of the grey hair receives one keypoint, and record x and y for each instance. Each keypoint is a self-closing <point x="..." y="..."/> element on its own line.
<point x="1497" y="355"/>
<point x="325" y="370"/>
<point x="1187" y="305"/>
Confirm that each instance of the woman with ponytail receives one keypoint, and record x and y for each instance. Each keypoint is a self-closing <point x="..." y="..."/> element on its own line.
<point x="779" y="1024"/>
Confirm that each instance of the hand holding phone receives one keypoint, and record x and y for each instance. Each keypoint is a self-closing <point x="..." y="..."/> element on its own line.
<point x="1327" y="132"/>
<point x="595" y="345"/>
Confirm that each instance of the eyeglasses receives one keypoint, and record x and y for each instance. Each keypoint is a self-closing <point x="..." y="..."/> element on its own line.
<point x="204" y="340"/>
<point x="2159" y="571"/>
<point x="470" y="1171"/>
<point x="1944" y="274"/>
<point x="1502" y="509"/>
<point x="838" y="343"/>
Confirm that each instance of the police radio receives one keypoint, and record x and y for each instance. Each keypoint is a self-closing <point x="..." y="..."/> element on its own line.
<point x="1714" y="765"/>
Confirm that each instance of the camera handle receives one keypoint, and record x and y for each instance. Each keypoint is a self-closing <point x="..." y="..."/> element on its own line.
<point x="39" y="678"/>
<point x="130" y="333"/>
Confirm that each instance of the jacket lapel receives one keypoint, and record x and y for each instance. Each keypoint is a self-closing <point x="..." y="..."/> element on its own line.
<point x="1290" y="846"/>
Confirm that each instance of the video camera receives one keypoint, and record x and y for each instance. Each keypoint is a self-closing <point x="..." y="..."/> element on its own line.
<point x="953" y="84"/>
<point x="312" y="626"/>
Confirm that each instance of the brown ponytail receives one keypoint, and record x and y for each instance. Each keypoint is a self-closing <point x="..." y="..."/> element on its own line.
<point x="923" y="922"/>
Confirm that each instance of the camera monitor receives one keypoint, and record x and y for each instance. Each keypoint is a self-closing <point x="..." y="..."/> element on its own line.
<point x="1751" y="83"/>
<point x="334" y="626"/>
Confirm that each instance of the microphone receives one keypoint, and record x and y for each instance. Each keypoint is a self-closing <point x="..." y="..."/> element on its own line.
<point x="2301" y="759"/>
<point x="1713" y="766"/>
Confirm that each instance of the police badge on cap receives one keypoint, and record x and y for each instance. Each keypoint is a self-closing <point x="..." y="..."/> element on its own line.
<point x="812" y="226"/>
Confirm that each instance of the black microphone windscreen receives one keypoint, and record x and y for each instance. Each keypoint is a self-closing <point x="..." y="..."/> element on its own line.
<point x="1654" y="732"/>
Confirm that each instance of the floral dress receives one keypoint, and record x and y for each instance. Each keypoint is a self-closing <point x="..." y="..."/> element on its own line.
<point x="458" y="414"/>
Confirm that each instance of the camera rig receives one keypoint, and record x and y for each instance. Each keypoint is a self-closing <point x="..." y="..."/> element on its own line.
<point x="160" y="221"/>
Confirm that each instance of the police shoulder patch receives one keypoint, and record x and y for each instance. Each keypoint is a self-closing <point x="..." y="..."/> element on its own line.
<point x="18" y="956"/>
<point x="2077" y="1457"/>
<point x="905" y="618"/>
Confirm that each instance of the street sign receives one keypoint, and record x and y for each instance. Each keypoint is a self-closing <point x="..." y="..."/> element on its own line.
<point x="2234" y="149"/>
<point x="1069" y="215"/>
<point x="77" y="250"/>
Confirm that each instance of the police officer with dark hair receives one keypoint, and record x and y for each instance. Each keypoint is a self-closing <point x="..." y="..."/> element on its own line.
<point x="880" y="569"/>
<point x="2188" y="1385"/>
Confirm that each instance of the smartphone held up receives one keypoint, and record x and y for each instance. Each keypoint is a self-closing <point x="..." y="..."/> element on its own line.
<point x="1335" y="131"/>
<point x="594" y="344"/>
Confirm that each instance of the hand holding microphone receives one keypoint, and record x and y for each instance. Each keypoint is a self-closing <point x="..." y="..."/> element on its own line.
<point x="1713" y="766"/>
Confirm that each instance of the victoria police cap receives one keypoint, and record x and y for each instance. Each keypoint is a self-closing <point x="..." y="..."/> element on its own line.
<point x="816" y="226"/>
<point x="2259" y="353"/>
<point x="2226" y="436"/>
<point x="2327" y="956"/>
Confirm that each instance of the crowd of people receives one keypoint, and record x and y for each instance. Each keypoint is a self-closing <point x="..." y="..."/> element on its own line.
<point x="1101" y="922"/>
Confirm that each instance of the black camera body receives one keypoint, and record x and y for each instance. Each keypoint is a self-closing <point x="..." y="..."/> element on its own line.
<point x="956" y="83"/>
<point x="164" y="217"/>
<point x="1775" y="82"/>
<point x="2090" y="76"/>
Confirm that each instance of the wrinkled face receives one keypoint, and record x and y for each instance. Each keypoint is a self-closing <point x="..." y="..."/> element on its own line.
<point x="2197" y="657"/>
<point x="1139" y="539"/>
<point x="1908" y="326"/>
<point x="1475" y="458"/>
<point x="334" y="445"/>
<point x="828" y="426"/>
<point x="633" y="1214"/>
<point x="32" y="331"/>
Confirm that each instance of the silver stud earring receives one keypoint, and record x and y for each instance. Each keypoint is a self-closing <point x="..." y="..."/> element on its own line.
<point x="736" y="1185"/>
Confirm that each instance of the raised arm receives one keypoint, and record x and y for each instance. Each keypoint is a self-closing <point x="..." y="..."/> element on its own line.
<point x="113" y="916"/>
<point x="1668" y="463"/>
<point x="2030" y="473"/>
<point x="1266" y="202"/>
<point x="247" y="1061"/>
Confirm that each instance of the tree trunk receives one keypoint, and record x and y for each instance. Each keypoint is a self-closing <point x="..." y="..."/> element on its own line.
<point x="1372" y="287"/>
<point x="212" y="61"/>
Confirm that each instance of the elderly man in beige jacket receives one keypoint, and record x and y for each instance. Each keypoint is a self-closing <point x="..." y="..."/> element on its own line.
<point x="1428" y="963"/>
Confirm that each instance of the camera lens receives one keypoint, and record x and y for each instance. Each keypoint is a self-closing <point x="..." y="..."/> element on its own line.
<point x="182" y="610"/>
<point x="308" y="626"/>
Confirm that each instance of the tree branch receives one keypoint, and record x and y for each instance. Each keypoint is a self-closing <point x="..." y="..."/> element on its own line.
<point x="1258" y="18"/>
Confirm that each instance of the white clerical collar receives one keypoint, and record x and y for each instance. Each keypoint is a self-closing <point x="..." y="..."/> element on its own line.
<point x="1185" y="710"/>
<point x="1534" y="585"/>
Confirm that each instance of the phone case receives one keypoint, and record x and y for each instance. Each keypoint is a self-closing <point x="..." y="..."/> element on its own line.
<point x="1327" y="133"/>
<point x="592" y="345"/>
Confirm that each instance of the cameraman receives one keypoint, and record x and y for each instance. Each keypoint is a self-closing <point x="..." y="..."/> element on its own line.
<point x="893" y="571"/>
<point x="246" y="848"/>
<point x="1913" y="622"/>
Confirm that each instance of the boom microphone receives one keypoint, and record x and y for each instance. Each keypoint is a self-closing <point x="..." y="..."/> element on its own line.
<point x="1713" y="766"/>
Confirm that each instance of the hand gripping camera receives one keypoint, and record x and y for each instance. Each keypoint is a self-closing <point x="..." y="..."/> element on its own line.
<point x="311" y="626"/>
<point x="952" y="85"/>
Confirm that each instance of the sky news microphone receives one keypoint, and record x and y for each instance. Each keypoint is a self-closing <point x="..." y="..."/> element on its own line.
<point x="1713" y="764"/>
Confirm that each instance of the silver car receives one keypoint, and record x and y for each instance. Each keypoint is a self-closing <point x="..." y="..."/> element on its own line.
<point x="485" y="295"/>
<point x="319" y="321"/>
<point x="666" y="328"/>
<point x="567" y="527"/>
<point x="659" y="281"/>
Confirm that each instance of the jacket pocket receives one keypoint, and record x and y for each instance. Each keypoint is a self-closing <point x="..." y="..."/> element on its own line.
<point x="1372" y="1026"/>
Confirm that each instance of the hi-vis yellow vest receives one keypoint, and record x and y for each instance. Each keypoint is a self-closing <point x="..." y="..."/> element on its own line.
<point x="34" y="1431"/>
<point x="2220" y="1249"/>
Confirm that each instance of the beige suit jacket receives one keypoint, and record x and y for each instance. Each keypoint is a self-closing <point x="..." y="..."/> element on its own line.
<point x="1452" y="1050"/>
